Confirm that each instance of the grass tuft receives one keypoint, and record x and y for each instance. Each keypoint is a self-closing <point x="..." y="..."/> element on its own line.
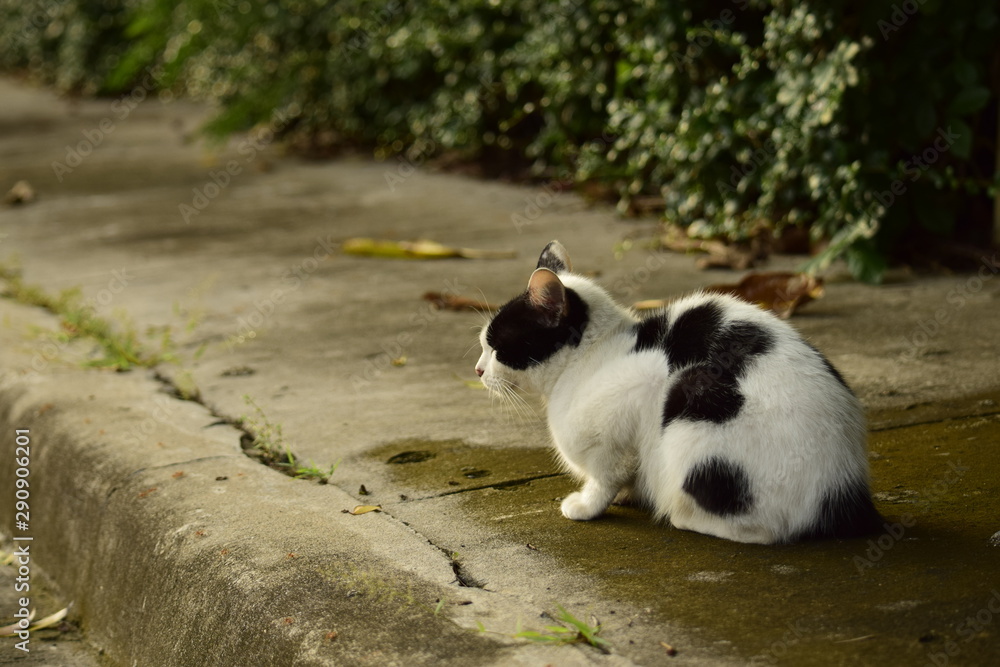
<point x="270" y="448"/>
<point x="574" y="632"/>
<point x="120" y="347"/>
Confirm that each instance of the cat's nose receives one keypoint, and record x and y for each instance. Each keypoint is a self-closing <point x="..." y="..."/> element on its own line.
<point x="479" y="371"/>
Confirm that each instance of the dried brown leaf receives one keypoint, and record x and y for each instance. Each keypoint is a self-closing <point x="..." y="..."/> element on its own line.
<point x="21" y="193"/>
<point x="671" y="651"/>
<point x="457" y="303"/>
<point x="738" y="255"/>
<point x="780" y="291"/>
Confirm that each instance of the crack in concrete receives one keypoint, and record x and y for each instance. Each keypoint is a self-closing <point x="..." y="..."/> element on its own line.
<point x="930" y="422"/>
<point x="462" y="577"/>
<point x="494" y="485"/>
<point x="247" y="437"/>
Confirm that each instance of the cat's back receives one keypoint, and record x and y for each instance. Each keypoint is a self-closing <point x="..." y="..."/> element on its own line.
<point x="713" y="359"/>
<point x="728" y="333"/>
<point x="748" y="400"/>
<point x="733" y="340"/>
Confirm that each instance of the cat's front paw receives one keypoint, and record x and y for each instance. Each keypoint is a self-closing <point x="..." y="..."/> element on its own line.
<point x="576" y="507"/>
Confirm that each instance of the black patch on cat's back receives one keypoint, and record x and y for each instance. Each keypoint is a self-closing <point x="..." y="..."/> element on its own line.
<point x="741" y="342"/>
<point x="692" y="333"/>
<point x="649" y="333"/>
<point x="846" y="511"/>
<point x="720" y="487"/>
<point x="700" y="394"/>
<point x="710" y="358"/>
<point x="521" y="339"/>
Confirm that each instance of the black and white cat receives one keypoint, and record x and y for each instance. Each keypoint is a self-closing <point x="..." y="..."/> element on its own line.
<point x="713" y="413"/>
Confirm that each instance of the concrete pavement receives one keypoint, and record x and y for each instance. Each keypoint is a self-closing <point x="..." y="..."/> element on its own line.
<point x="179" y="549"/>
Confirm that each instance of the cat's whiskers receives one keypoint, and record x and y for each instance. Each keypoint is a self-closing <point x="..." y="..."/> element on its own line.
<point x="518" y="407"/>
<point x="471" y="348"/>
<point x="485" y="313"/>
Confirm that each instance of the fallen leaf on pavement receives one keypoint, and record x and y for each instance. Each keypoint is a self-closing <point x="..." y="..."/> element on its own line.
<point x="458" y="303"/>
<point x="21" y="193"/>
<point x="739" y="255"/>
<point x="10" y="630"/>
<point x="783" y="292"/>
<point x="778" y="291"/>
<point x="50" y="620"/>
<point x="651" y="304"/>
<point x="363" y="509"/>
<point x="421" y="249"/>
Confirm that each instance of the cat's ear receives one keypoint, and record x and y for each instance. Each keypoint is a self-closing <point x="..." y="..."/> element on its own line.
<point x="547" y="295"/>
<point x="555" y="258"/>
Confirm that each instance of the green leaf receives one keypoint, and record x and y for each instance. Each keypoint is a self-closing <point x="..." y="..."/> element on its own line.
<point x="965" y="72"/>
<point x="969" y="100"/>
<point x="924" y="118"/>
<point x="962" y="146"/>
<point x="933" y="211"/>
<point x="865" y="262"/>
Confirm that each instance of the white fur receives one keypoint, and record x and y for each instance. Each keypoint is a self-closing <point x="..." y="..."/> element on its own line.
<point x="798" y="433"/>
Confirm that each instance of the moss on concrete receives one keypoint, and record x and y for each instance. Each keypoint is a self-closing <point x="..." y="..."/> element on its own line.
<point x="924" y="591"/>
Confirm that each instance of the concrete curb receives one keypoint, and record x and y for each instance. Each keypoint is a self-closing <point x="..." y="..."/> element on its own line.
<point x="140" y="517"/>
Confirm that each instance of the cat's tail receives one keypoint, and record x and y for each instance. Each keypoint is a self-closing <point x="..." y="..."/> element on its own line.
<point x="846" y="511"/>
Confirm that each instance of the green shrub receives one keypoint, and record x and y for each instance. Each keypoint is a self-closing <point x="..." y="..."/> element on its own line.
<point x="71" y="44"/>
<point x="746" y="116"/>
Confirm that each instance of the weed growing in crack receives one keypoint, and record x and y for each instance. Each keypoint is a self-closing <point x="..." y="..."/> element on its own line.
<point x="574" y="631"/>
<point x="311" y="471"/>
<point x="121" y="350"/>
<point x="119" y="346"/>
<point x="267" y="437"/>
<point x="266" y="443"/>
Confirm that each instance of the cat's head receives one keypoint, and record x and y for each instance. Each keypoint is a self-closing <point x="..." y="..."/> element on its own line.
<point x="529" y="332"/>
